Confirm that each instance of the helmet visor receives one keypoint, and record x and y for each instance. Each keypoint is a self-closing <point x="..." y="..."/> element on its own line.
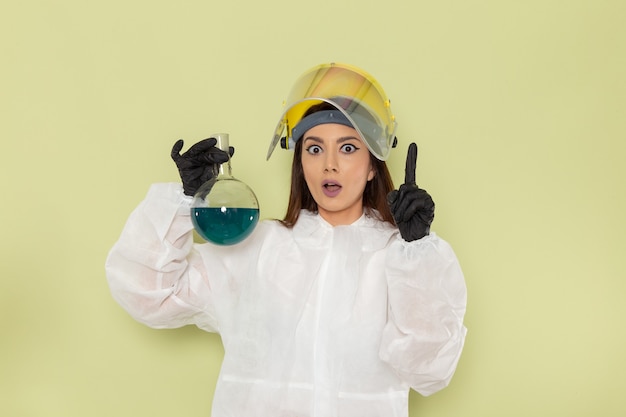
<point x="353" y="92"/>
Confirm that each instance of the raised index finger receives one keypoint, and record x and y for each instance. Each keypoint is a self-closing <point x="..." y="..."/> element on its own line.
<point x="411" y="163"/>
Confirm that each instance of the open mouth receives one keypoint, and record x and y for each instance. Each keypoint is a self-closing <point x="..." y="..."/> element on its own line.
<point x="331" y="189"/>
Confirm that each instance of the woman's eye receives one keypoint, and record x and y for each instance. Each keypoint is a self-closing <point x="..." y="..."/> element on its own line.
<point x="314" y="149"/>
<point x="349" y="148"/>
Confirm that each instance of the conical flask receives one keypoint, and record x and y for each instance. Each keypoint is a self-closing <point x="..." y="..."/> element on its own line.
<point x="224" y="210"/>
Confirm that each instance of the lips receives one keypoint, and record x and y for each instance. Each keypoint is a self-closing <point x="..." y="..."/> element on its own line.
<point x="331" y="188"/>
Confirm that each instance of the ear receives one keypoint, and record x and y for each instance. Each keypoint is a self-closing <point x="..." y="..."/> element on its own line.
<point x="371" y="174"/>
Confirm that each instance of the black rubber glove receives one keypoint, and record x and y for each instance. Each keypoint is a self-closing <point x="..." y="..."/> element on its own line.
<point x="196" y="166"/>
<point x="412" y="208"/>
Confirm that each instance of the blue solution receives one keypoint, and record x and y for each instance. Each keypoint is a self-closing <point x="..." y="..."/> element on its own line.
<point x="224" y="225"/>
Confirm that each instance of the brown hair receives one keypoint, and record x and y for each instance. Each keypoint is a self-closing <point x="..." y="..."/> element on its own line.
<point x="374" y="195"/>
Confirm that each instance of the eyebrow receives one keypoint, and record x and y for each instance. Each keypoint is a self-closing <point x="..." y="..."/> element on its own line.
<point x="340" y="140"/>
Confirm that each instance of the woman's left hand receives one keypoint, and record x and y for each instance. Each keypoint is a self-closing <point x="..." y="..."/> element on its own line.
<point x="412" y="208"/>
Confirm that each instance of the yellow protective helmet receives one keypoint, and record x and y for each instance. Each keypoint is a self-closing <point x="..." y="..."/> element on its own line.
<point x="353" y="92"/>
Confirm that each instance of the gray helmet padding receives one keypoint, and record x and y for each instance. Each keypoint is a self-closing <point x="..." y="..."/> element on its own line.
<point x="319" y="118"/>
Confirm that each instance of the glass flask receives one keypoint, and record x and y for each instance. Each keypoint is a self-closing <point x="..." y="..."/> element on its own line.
<point x="224" y="210"/>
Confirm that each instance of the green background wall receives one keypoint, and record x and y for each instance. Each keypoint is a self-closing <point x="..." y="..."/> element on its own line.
<point x="519" y="111"/>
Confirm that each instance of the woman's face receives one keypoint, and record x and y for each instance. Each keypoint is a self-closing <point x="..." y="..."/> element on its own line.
<point x="336" y="165"/>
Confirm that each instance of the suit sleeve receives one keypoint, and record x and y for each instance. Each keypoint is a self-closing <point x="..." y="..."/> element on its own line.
<point x="154" y="271"/>
<point x="424" y="335"/>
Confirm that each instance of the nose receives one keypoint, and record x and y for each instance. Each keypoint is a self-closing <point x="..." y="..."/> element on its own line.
<point x="331" y="163"/>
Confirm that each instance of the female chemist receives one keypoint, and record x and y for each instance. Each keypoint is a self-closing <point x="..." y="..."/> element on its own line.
<point x="335" y="311"/>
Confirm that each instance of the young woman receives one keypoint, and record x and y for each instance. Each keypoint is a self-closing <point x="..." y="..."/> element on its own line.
<point x="333" y="311"/>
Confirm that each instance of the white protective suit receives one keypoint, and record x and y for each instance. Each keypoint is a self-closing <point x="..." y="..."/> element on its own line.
<point x="316" y="320"/>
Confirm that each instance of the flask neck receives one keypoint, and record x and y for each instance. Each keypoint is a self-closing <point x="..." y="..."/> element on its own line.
<point x="223" y="170"/>
<point x="223" y="144"/>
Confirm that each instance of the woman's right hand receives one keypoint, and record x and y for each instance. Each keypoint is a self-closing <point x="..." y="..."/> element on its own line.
<point x="196" y="166"/>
